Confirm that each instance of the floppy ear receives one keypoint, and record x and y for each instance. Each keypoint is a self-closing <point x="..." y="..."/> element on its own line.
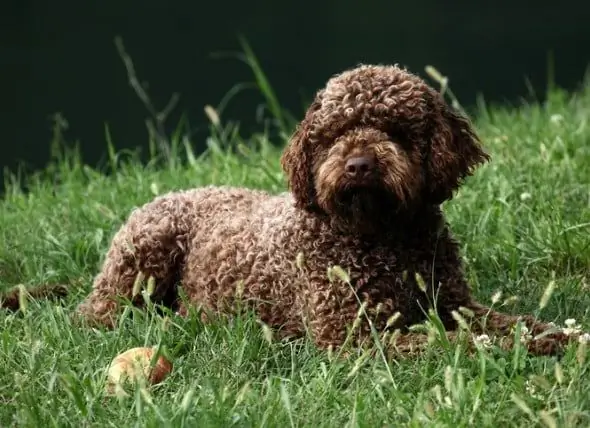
<point x="297" y="160"/>
<point x="455" y="152"/>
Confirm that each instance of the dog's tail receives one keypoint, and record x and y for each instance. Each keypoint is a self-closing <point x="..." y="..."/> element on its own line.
<point x="12" y="298"/>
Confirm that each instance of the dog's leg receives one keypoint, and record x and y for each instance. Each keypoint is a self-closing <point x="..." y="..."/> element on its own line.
<point x="152" y="243"/>
<point x="347" y="328"/>
<point x="401" y="345"/>
<point x="415" y="343"/>
<point x="453" y="293"/>
<point x="330" y="333"/>
<point x="490" y="321"/>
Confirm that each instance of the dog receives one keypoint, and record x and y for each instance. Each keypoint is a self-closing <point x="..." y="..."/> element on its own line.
<point x="376" y="154"/>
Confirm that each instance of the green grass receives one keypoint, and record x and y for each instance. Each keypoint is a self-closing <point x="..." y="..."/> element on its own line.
<point x="523" y="220"/>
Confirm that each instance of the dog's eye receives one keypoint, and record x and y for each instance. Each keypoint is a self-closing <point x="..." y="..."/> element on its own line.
<point x="396" y="136"/>
<point x="399" y="141"/>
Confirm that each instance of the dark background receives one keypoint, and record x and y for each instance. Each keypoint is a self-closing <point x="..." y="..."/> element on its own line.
<point x="60" y="56"/>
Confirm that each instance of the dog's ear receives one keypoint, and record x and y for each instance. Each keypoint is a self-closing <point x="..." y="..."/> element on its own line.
<point x="455" y="151"/>
<point x="297" y="160"/>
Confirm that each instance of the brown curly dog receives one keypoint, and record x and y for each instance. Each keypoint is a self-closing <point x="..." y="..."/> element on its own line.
<point x="368" y="167"/>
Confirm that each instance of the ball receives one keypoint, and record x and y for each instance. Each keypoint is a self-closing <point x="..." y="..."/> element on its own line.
<point x="135" y="365"/>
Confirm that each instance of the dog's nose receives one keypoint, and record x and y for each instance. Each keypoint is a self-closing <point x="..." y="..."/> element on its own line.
<point x="359" y="166"/>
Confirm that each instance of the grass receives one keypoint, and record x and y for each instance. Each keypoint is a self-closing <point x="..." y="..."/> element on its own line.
<point x="523" y="221"/>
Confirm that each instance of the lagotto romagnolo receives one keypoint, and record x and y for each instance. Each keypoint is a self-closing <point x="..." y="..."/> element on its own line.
<point x="368" y="168"/>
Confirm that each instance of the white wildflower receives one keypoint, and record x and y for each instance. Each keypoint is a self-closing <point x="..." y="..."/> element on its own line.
<point x="571" y="327"/>
<point x="500" y="139"/>
<point x="525" y="196"/>
<point x="556" y="118"/>
<point x="584" y="338"/>
<point x="483" y="340"/>
<point x="525" y="335"/>
<point x="531" y="389"/>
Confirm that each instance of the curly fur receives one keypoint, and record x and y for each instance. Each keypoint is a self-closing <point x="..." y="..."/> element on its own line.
<point x="382" y="224"/>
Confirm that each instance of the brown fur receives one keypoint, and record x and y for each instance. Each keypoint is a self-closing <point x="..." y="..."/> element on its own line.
<point x="272" y="252"/>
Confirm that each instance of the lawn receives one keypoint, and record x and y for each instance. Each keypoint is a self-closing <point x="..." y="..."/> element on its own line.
<point x="523" y="221"/>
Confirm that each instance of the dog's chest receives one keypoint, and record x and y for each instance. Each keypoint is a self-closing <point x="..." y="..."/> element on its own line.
<point x="380" y="275"/>
<point x="392" y="264"/>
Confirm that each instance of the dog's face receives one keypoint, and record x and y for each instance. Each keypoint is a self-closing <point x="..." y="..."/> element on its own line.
<point x="364" y="173"/>
<point x="377" y="140"/>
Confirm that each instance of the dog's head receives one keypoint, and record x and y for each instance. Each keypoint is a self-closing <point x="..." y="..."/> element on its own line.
<point x="377" y="140"/>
